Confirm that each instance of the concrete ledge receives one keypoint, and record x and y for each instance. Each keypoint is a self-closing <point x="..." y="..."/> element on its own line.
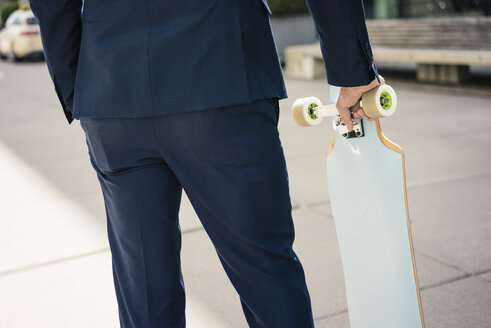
<point x="433" y="56"/>
<point x="304" y="62"/>
<point x="435" y="65"/>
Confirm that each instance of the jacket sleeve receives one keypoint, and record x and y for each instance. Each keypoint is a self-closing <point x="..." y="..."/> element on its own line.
<point x="61" y="30"/>
<point x="344" y="41"/>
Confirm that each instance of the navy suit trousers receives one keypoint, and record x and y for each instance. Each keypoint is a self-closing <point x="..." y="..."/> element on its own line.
<point x="230" y="162"/>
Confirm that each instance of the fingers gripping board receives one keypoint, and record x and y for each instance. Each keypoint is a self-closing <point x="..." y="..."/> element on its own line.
<point x="366" y="180"/>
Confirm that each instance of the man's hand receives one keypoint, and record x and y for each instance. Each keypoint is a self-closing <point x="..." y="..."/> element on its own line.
<point x="349" y="102"/>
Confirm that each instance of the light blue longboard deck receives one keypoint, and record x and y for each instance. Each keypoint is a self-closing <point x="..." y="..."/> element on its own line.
<point x="366" y="181"/>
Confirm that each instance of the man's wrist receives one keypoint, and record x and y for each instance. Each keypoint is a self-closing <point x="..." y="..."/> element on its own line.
<point x="364" y="88"/>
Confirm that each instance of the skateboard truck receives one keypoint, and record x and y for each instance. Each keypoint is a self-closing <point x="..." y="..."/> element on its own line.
<point x="378" y="102"/>
<point x="357" y="131"/>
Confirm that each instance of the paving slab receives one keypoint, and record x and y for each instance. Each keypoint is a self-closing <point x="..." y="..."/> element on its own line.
<point x="422" y="116"/>
<point x="438" y="160"/>
<point x="76" y="293"/>
<point x="308" y="180"/>
<point x="317" y="248"/>
<point x="45" y="154"/>
<point x="209" y="293"/>
<point x="39" y="222"/>
<point x="93" y="202"/>
<point x="188" y="219"/>
<point x="463" y="303"/>
<point x="451" y="222"/>
<point x="323" y="208"/>
<point x="334" y="321"/>
<point x="432" y="273"/>
<point x="486" y="276"/>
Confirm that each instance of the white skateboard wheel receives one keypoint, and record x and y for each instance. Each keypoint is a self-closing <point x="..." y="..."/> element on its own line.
<point x="303" y="111"/>
<point x="380" y="101"/>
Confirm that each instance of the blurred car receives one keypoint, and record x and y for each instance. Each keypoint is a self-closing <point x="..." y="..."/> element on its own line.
<point x="20" y="37"/>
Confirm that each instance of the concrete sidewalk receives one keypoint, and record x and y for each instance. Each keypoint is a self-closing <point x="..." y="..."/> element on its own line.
<point x="55" y="265"/>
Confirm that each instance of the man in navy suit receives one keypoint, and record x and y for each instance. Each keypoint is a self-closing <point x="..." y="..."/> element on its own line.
<point x="177" y="95"/>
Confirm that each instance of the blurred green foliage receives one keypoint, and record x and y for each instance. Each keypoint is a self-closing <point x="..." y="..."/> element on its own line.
<point x="8" y="9"/>
<point x="288" y="7"/>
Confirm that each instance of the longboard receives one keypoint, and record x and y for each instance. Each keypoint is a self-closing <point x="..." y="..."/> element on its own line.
<point x="367" y="189"/>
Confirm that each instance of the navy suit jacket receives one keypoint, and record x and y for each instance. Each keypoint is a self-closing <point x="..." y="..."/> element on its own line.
<point x="130" y="58"/>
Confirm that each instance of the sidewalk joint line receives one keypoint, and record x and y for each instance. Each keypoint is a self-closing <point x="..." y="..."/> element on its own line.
<point x="39" y="265"/>
<point x="409" y="187"/>
<point x="69" y="258"/>
<point x="448" y="180"/>
<point x="329" y="315"/>
<point x="466" y="274"/>
<point x="319" y="203"/>
<point x="448" y="281"/>
<point x="480" y="273"/>
<point x="191" y="230"/>
<point x="453" y="266"/>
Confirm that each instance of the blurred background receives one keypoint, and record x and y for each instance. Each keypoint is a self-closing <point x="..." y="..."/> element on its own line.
<point x="55" y="265"/>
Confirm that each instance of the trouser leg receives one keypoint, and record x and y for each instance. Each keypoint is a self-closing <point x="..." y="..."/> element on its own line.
<point x="142" y="198"/>
<point x="231" y="165"/>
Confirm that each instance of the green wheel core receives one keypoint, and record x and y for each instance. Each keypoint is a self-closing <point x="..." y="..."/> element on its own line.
<point x="386" y="100"/>
<point x="312" y="114"/>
